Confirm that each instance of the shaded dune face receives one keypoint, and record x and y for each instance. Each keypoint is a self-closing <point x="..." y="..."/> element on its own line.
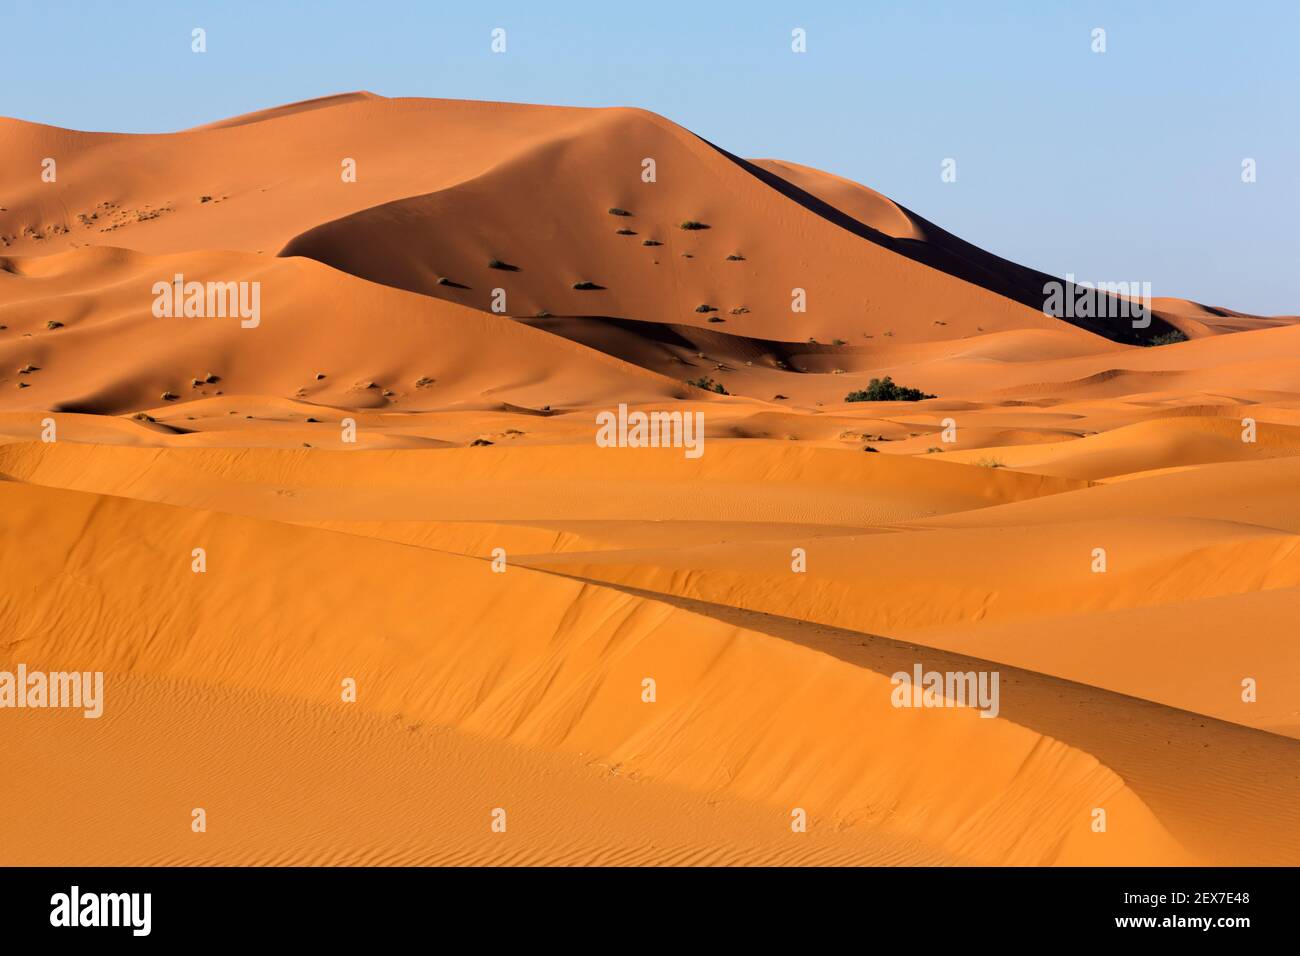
<point x="393" y="477"/>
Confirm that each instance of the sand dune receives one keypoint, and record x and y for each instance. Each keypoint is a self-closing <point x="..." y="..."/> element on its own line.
<point x="416" y="400"/>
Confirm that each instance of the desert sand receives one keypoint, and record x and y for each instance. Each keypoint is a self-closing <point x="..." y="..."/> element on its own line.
<point x="500" y="587"/>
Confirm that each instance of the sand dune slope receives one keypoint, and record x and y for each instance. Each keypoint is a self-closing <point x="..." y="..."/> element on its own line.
<point x="567" y="676"/>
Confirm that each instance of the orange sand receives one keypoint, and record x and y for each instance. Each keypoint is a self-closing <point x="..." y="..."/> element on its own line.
<point x="522" y="690"/>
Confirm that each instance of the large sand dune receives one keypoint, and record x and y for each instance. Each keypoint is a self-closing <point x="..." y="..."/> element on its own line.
<point x="358" y="461"/>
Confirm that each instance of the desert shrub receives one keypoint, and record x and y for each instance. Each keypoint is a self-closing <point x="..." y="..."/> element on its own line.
<point x="651" y="242"/>
<point x="708" y="384"/>
<point x="624" y="232"/>
<point x="615" y="211"/>
<point x="990" y="463"/>
<point x="585" y="286"/>
<point x="1172" y="337"/>
<point x="735" y="257"/>
<point x="705" y="308"/>
<point x="502" y="265"/>
<point x="884" y="390"/>
<point x="692" y="225"/>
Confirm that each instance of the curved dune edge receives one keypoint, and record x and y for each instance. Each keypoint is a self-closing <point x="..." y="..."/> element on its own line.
<point x="549" y="664"/>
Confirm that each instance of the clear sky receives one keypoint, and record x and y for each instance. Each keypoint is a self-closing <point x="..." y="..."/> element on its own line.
<point x="1123" y="165"/>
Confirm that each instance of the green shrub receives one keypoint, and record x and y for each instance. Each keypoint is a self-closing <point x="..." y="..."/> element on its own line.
<point x="708" y="384"/>
<point x="884" y="390"/>
<point x="1168" y="338"/>
<point x="691" y="224"/>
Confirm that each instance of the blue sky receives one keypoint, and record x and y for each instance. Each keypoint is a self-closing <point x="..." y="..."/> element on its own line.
<point x="1124" y="165"/>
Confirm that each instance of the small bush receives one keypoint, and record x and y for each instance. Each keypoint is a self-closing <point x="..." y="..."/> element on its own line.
<point x="705" y="308"/>
<point x="708" y="384"/>
<point x="884" y="390"/>
<point x="735" y="257"/>
<point x="625" y="232"/>
<point x="615" y="211"/>
<point x="502" y="265"/>
<point x="651" y="242"/>
<point x="990" y="463"/>
<point x="586" y="286"/>
<point x="1168" y="338"/>
<point x="716" y="318"/>
<point x="692" y="225"/>
<point x="53" y="324"/>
